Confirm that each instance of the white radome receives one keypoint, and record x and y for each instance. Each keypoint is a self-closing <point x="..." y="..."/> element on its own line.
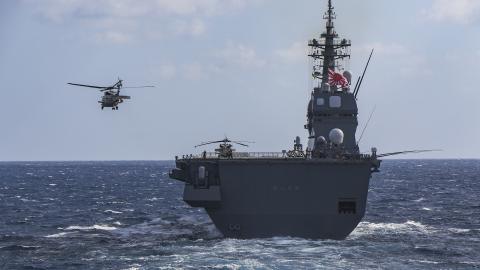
<point x="336" y="136"/>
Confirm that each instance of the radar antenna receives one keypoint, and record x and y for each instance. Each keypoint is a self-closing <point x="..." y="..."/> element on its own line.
<point x="328" y="49"/>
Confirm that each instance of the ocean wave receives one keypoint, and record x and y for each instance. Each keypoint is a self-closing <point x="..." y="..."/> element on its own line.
<point x="57" y="235"/>
<point x="19" y="247"/>
<point x="181" y="227"/>
<point x="89" y="228"/>
<point x="112" y="211"/>
<point x="27" y="200"/>
<point x="366" y="228"/>
<point x="424" y="261"/>
<point x="459" y="230"/>
<point x="409" y="227"/>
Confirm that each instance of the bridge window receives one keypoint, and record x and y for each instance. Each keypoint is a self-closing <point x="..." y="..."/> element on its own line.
<point x="320" y="101"/>
<point x="335" y="102"/>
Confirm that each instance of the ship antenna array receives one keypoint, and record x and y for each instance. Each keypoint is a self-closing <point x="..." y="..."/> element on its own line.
<point x="360" y="80"/>
<point x="329" y="49"/>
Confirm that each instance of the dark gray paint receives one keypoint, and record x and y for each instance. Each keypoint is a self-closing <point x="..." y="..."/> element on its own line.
<point x="319" y="194"/>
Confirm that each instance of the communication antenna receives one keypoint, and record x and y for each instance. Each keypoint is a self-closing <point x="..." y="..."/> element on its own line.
<point x="366" y="125"/>
<point x="355" y="92"/>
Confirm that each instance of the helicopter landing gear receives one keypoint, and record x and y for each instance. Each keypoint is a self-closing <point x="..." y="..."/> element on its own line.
<point x="116" y="108"/>
<point x="102" y="108"/>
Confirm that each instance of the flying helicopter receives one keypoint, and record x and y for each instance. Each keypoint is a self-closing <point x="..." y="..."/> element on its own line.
<point x="225" y="149"/>
<point x="111" y="94"/>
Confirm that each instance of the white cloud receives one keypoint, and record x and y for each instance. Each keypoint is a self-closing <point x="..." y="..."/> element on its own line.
<point x="399" y="58"/>
<point x="195" y="72"/>
<point x="114" y="37"/>
<point x="168" y="71"/>
<point x="415" y="66"/>
<point x="195" y="27"/>
<point x="383" y="48"/>
<point x="459" y="11"/>
<point x="59" y="10"/>
<point x="107" y="18"/>
<point x="240" y="55"/>
<point x="295" y="53"/>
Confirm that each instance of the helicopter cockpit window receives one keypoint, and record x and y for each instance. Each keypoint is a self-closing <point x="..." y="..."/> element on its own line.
<point x="320" y="101"/>
<point x="335" y="102"/>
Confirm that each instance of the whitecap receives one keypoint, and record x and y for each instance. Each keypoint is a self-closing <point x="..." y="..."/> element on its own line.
<point x="420" y="199"/>
<point x="57" y="235"/>
<point x="27" y="200"/>
<point x="458" y="230"/>
<point x="424" y="261"/>
<point x="89" y="228"/>
<point x="112" y="211"/>
<point x="426" y="209"/>
<point x="366" y="228"/>
<point x="155" y="199"/>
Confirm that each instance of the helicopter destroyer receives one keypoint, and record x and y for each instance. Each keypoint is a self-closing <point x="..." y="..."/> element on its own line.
<point x="316" y="193"/>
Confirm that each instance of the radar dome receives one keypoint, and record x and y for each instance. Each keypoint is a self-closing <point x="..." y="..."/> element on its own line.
<point x="321" y="140"/>
<point x="336" y="136"/>
<point x="348" y="75"/>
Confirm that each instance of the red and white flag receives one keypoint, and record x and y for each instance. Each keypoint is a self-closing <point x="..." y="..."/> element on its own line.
<point x="337" y="79"/>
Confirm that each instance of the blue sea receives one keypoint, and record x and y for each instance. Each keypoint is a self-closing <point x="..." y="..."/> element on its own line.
<point x="422" y="214"/>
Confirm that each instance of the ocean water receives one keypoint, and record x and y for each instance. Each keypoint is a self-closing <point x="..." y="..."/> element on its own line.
<point x="422" y="214"/>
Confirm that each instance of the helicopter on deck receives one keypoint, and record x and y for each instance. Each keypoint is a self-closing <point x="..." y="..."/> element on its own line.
<point x="111" y="94"/>
<point x="225" y="149"/>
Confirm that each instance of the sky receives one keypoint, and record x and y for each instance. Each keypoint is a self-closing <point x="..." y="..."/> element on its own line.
<point x="235" y="68"/>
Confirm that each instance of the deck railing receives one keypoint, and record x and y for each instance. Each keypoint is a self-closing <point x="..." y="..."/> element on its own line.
<point x="261" y="155"/>
<point x="213" y="155"/>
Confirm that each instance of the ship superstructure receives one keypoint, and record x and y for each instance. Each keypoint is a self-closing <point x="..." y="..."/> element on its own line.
<point x="317" y="192"/>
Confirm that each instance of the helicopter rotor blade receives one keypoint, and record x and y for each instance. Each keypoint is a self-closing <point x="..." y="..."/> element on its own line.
<point x="246" y="145"/>
<point x="406" y="152"/>
<point x="90" y="86"/>
<point x="207" y="143"/>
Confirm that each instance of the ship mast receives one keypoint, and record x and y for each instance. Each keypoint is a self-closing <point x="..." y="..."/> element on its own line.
<point x="328" y="50"/>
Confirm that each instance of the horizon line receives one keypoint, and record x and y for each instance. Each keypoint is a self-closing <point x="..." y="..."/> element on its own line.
<point x="171" y="160"/>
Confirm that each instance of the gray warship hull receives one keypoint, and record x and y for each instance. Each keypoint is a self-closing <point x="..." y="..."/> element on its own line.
<point x="259" y="198"/>
<point x="317" y="193"/>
